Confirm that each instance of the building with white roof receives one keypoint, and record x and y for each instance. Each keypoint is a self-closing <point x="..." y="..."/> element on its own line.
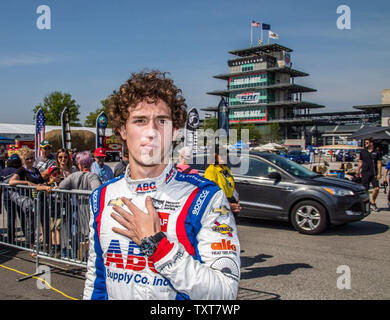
<point x="26" y="132"/>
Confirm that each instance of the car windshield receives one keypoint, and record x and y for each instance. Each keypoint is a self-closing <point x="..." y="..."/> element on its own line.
<point x="290" y="166"/>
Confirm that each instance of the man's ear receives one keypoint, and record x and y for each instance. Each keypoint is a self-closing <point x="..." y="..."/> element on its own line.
<point x="122" y="132"/>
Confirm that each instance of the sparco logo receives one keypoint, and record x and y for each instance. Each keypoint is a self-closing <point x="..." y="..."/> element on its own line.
<point x="95" y="200"/>
<point x="199" y="202"/>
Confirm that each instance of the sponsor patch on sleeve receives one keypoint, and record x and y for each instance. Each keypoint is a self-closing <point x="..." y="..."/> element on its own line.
<point x="227" y="266"/>
<point x="223" y="228"/>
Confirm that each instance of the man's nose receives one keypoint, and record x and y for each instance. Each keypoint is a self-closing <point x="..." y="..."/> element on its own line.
<point x="151" y="130"/>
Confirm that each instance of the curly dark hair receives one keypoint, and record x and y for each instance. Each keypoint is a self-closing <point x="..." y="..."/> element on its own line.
<point x="150" y="86"/>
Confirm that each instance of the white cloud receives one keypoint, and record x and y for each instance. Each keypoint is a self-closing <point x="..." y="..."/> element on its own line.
<point x="25" y="59"/>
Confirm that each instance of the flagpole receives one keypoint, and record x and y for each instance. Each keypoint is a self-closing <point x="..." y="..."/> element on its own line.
<point x="36" y="134"/>
<point x="251" y="33"/>
<point x="35" y="144"/>
<point x="261" y="27"/>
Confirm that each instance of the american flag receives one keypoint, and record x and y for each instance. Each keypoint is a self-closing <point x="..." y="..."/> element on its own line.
<point x="40" y="123"/>
<point x="255" y="23"/>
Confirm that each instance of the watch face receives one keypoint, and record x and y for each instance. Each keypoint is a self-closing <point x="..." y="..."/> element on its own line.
<point x="147" y="247"/>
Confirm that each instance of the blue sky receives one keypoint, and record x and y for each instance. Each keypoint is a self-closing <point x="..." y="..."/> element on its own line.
<point x="93" y="46"/>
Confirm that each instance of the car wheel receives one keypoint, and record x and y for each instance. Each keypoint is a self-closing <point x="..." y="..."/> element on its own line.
<point x="309" y="217"/>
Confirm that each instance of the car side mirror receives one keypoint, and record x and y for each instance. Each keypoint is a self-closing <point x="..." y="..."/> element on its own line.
<point x="275" y="176"/>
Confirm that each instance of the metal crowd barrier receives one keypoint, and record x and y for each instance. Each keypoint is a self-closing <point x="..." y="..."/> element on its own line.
<point x="53" y="226"/>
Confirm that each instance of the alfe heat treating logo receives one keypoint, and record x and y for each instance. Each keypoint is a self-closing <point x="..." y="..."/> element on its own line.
<point x="223" y="246"/>
<point x="146" y="187"/>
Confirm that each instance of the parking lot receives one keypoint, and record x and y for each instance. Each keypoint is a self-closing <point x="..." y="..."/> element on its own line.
<point x="276" y="263"/>
<point x="284" y="263"/>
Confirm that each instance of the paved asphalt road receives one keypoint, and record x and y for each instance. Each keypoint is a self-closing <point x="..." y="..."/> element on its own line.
<point x="277" y="262"/>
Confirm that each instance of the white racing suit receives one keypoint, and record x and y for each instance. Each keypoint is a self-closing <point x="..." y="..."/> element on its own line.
<point x="199" y="258"/>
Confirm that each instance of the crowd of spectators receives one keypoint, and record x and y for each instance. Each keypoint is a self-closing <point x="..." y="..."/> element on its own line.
<point x="66" y="170"/>
<point x="62" y="170"/>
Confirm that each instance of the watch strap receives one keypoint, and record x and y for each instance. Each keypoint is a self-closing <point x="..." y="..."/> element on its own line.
<point x="158" y="237"/>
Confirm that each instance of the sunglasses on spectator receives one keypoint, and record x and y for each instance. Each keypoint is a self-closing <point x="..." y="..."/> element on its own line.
<point x="29" y="158"/>
<point x="63" y="157"/>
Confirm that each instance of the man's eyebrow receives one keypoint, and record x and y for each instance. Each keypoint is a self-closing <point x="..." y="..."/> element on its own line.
<point x="137" y="116"/>
<point x="162" y="116"/>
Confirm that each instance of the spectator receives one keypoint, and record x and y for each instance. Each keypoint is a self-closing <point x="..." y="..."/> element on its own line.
<point x="182" y="165"/>
<point x="29" y="176"/>
<point x="312" y="155"/>
<point x="54" y="174"/>
<point x="220" y="173"/>
<point x="13" y="164"/>
<point x="44" y="162"/>
<point x="120" y="167"/>
<point x="386" y="179"/>
<point x="370" y="167"/>
<point x="73" y="153"/>
<point x="3" y="156"/>
<point x="102" y="170"/>
<point x="83" y="179"/>
<point x="64" y="162"/>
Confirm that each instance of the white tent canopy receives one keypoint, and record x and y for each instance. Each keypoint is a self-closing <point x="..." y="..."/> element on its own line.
<point x="7" y="129"/>
<point x="269" y="147"/>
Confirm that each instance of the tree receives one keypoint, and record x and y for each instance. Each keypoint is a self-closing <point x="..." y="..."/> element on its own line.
<point x="92" y="116"/>
<point x="254" y="133"/>
<point x="210" y="123"/>
<point x="54" y="104"/>
<point x="274" y="134"/>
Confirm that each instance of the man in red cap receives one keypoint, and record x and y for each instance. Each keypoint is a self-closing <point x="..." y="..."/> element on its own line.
<point x="102" y="170"/>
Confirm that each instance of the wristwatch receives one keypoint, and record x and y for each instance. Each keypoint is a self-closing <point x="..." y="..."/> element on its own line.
<point x="149" y="245"/>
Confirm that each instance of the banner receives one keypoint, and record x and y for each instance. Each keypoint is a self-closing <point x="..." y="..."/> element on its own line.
<point x="287" y="59"/>
<point x="223" y="116"/>
<point x="191" y="133"/>
<point x="112" y="144"/>
<point x="250" y="97"/>
<point x="65" y="124"/>
<point x="101" y="125"/>
<point x="40" y="124"/>
<point x="248" y="114"/>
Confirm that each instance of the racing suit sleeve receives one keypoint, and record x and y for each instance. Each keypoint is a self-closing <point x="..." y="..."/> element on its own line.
<point x="213" y="270"/>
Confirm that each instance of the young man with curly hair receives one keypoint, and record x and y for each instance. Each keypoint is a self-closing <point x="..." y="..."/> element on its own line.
<point x="157" y="233"/>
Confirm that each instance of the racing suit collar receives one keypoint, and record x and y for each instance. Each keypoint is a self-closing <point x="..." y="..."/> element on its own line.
<point x="149" y="185"/>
